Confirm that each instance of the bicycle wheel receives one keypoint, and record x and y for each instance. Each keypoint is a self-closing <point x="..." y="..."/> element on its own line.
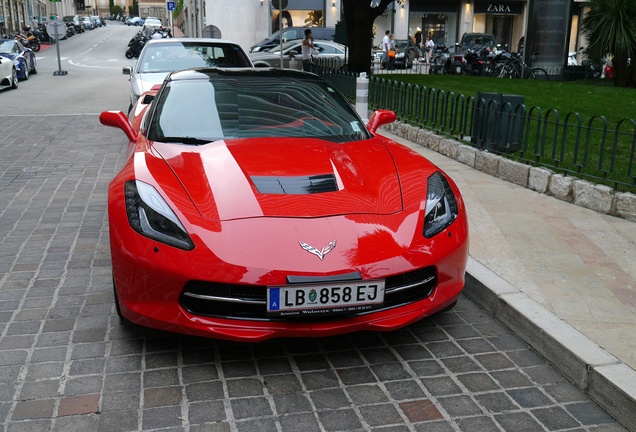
<point x="537" y="74"/>
<point x="509" y="71"/>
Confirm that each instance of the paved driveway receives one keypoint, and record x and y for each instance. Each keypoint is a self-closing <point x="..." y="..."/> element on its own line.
<point x="67" y="364"/>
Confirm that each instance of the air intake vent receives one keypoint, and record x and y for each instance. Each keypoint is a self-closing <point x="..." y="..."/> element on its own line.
<point x="296" y="185"/>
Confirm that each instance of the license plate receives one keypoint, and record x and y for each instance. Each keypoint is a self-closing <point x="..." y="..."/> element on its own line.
<point x="458" y="69"/>
<point x="314" y="299"/>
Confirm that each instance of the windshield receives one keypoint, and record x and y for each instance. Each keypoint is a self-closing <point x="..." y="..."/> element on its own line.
<point x="477" y="41"/>
<point x="9" y="47"/>
<point x="218" y="107"/>
<point x="172" y="56"/>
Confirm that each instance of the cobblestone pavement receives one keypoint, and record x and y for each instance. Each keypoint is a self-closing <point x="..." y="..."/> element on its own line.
<point x="66" y="363"/>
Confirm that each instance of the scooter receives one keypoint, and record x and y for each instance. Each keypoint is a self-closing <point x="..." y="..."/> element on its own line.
<point x="135" y="46"/>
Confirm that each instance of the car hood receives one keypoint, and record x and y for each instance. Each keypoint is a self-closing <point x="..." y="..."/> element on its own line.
<point x="9" y="56"/>
<point x="144" y="81"/>
<point x="286" y="177"/>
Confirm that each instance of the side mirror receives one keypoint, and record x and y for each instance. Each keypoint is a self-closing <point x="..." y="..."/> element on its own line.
<point x="127" y="70"/>
<point x="119" y="120"/>
<point x="379" y="118"/>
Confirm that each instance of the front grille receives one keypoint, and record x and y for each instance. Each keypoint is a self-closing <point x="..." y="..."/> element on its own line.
<point x="250" y="301"/>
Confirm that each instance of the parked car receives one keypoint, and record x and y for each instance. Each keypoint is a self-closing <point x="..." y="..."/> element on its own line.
<point x="470" y="42"/>
<point x="293" y="49"/>
<point x="152" y="22"/>
<point x="294" y="33"/>
<point x="97" y="20"/>
<point x="256" y="204"/>
<point x="23" y="58"/>
<point x="77" y="23"/>
<point x="88" y="24"/>
<point x="135" y="21"/>
<point x="8" y="73"/>
<point x="159" y="57"/>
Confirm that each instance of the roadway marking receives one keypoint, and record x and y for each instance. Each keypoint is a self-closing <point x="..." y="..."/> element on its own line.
<point x="89" y="66"/>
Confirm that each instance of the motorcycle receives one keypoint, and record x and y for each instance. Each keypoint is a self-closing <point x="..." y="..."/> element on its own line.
<point x="439" y="60"/>
<point x="42" y="34"/>
<point x="70" y="29"/>
<point x="32" y="41"/>
<point x="135" y="46"/>
<point x="479" y="61"/>
<point x="32" y="45"/>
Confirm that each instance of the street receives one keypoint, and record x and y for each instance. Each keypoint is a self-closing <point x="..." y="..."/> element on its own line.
<point x="67" y="364"/>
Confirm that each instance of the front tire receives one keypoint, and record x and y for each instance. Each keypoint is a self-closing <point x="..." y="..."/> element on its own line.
<point x="14" y="79"/>
<point x="35" y="46"/>
<point x="129" y="53"/>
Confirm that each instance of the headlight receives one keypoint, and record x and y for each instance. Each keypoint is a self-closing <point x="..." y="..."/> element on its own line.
<point x="150" y="215"/>
<point x="441" y="205"/>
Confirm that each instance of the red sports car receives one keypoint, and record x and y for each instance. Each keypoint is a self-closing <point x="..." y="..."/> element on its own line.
<point x="255" y="203"/>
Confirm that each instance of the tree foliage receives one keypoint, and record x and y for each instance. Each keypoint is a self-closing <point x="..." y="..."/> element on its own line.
<point x="359" y="17"/>
<point x="134" y="9"/>
<point x="116" y="10"/>
<point x="610" y="28"/>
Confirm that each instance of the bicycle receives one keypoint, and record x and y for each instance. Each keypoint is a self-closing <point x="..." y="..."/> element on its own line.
<point x="514" y="67"/>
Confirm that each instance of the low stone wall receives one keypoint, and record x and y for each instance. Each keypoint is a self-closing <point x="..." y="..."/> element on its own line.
<point x="583" y="193"/>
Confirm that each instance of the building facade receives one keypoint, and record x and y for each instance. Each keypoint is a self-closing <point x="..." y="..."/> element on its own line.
<point x="15" y="14"/>
<point x="250" y="21"/>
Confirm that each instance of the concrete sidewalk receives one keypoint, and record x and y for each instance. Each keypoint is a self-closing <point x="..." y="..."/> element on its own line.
<point x="561" y="276"/>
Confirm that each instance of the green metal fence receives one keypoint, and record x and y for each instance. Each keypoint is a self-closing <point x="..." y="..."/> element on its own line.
<point x="590" y="148"/>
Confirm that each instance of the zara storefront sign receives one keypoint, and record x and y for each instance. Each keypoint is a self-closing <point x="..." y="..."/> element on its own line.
<point x="498" y="8"/>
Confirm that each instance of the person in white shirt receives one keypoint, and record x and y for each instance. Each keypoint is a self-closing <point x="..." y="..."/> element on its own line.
<point x="386" y="47"/>
<point x="308" y="46"/>
<point x="428" y="47"/>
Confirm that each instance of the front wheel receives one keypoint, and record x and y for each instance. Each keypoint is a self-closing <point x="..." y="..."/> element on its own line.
<point x="537" y="74"/>
<point x="35" y="46"/>
<point x="506" y="70"/>
<point x="129" y="53"/>
<point x="14" y="79"/>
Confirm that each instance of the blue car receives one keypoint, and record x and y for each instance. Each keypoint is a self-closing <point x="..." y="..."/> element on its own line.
<point x="23" y="58"/>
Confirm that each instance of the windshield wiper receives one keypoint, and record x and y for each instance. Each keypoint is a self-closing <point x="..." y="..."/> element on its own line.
<point x="185" y="140"/>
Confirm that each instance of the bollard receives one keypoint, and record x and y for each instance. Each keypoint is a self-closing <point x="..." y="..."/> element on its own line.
<point x="362" y="97"/>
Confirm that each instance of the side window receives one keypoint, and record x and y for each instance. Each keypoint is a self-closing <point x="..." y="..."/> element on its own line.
<point x="325" y="49"/>
<point x="289" y="35"/>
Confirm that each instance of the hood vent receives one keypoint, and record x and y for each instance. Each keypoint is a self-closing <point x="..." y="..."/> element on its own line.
<point x="296" y="185"/>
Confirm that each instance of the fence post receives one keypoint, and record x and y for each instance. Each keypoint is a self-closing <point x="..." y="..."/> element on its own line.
<point x="362" y="97"/>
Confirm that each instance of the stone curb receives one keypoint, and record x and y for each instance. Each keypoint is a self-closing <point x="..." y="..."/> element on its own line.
<point x="605" y="379"/>
<point x="600" y="198"/>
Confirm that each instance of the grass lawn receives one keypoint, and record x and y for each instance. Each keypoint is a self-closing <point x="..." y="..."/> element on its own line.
<point x="601" y="155"/>
<point x="587" y="97"/>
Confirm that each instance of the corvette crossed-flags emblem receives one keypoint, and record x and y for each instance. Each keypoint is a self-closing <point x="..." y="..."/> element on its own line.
<point x="319" y="253"/>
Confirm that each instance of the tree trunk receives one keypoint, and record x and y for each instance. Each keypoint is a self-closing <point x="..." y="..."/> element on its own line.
<point x="359" y="18"/>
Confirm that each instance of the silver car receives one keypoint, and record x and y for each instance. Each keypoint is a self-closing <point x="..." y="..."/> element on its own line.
<point x="293" y="50"/>
<point x="159" y="57"/>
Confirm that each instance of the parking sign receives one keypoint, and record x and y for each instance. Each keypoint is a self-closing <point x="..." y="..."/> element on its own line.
<point x="172" y="5"/>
